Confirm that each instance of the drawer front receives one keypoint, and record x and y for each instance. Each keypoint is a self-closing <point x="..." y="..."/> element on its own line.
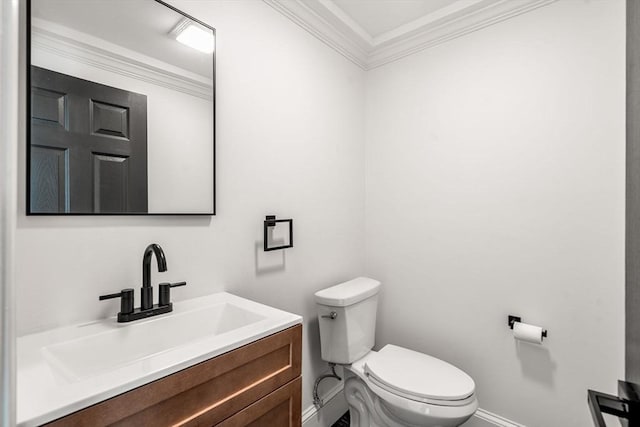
<point x="281" y="408"/>
<point x="206" y="393"/>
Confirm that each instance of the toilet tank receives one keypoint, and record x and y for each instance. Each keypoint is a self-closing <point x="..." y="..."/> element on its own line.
<point x="349" y="334"/>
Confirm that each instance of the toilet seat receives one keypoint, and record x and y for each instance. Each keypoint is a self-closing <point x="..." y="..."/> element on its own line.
<point x="419" y="377"/>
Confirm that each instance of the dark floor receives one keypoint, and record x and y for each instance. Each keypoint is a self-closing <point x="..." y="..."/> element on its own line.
<point x="343" y="421"/>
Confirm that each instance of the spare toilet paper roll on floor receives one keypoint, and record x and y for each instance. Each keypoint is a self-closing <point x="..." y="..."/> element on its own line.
<point x="528" y="333"/>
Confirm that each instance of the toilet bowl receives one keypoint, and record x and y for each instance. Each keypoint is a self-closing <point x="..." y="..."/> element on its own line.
<point x="398" y="387"/>
<point x="393" y="387"/>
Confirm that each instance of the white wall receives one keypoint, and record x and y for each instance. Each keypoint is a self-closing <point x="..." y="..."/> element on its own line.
<point x="290" y="142"/>
<point x="494" y="185"/>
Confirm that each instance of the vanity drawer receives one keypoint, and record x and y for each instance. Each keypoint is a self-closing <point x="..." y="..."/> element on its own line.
<point x="204" y="394"/>
<point x="282" y="408"/>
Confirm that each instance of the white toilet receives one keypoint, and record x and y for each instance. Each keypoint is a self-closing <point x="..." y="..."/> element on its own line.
<point x="394" y="387"/>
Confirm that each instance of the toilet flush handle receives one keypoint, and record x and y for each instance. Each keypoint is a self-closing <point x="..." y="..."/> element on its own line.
<point x="331" y="315"/>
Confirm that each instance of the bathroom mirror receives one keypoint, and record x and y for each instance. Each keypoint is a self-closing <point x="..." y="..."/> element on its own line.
<point x="121" y="109"/>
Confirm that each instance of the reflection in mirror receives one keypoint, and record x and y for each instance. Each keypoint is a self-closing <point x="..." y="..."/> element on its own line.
<point x="121" y="109"/>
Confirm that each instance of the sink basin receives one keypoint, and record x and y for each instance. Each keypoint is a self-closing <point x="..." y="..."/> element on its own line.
<point x="64" y="370"/>
<point x="101" y="352"/>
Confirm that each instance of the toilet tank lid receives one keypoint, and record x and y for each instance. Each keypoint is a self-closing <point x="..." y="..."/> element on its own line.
<point x="348" y="293"/>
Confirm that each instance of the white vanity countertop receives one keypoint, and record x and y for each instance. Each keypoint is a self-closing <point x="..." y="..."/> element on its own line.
<point x="67" y="369"/>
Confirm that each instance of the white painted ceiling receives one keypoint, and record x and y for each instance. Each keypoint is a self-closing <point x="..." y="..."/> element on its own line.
<point x="380" y="16"/>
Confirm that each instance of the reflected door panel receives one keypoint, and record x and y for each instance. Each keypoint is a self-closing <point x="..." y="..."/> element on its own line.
<point x="89" y="146"/>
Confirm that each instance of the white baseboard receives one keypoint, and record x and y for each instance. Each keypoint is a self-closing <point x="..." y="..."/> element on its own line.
<point x="336" y="405"/>
<point x="485" y="418"/>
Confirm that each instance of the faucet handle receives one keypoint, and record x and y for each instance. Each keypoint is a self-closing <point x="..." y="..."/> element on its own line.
<point x="126" y="301"/>
<point x="165" y="293"/>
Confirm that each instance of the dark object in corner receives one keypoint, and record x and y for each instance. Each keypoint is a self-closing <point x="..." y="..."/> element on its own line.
<point x="271" y="221"/>
<point x="625" y="406"/>
<point x="344" y="421"/>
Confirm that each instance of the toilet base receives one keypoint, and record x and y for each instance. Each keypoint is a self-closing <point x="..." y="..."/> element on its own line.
<point x="361" y="401"/>
<point x="366" y="409"/>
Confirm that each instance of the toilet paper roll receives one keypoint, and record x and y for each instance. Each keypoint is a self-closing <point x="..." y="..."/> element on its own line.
<point x="528" y="333"/>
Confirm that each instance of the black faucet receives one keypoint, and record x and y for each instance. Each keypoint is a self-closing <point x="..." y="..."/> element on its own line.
<point x="147" y="308"/>
<point x="146" y="293"/>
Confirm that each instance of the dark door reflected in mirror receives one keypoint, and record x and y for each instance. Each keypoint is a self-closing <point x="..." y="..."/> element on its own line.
<point x="121" y="109"/>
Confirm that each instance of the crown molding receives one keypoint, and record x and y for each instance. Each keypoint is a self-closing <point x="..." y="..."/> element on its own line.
<point x="324" y="29"/>
<point x="49" y="39"/>
<point x="326" y="21"/>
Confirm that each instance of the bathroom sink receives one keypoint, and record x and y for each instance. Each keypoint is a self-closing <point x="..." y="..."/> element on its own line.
<point x="105" y="351"/>
<point x="64" y="370"/>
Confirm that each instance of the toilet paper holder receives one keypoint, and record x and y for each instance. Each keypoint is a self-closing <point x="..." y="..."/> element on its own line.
<point x="513" y="319"/>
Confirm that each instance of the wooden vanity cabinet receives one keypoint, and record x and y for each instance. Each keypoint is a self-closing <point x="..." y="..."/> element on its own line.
<point x="258" y="384"/>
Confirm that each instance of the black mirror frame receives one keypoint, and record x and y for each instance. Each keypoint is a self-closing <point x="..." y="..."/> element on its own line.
<point x="28" y="129"/>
